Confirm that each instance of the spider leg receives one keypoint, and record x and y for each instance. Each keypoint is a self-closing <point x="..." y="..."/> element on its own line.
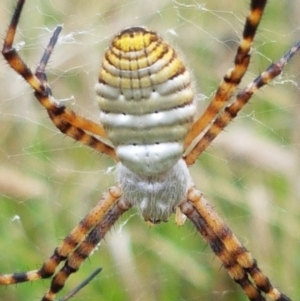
<point x="67" y="114"/>
<point x="235" y="270"/>
<point x="85" y="248"/>
<point x="65" y="119"/>
<point x="233" y="246"/>
<point x="233" y="76"/>
<point x="70" y="243"/>
<point x="242" y="98"/>
<point x="81" y="285"/>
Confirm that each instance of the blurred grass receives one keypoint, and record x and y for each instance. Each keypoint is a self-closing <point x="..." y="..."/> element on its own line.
<point x="250" y="174"/>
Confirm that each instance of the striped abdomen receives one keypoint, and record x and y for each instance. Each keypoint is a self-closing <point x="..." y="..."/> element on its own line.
<point x="146" y="101"/>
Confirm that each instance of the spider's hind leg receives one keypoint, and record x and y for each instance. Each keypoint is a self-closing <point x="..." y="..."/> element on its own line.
<point x="65" y="120"/>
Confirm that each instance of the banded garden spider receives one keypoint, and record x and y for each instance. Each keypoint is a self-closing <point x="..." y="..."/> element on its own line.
<point x="252" y="292"/>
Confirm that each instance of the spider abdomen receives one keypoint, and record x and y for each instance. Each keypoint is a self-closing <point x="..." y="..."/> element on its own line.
<point x="146" y="101"/>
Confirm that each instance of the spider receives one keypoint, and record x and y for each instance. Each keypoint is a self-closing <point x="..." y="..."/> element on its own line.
<point x="148" y="115"/>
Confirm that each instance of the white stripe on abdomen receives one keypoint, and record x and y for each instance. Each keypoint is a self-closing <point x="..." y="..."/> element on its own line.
<point x="146" y="101"/>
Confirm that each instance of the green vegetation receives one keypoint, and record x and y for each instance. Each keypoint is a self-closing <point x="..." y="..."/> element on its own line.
<point x="50" y="182"/>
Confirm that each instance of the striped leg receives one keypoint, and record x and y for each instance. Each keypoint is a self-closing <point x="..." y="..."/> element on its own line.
<point x="65" y="119"/>
<point x="70" y="243"/>
<point x="233" y="76"/>
<point x="229" y="250"/>
<point x="235" y="270"/>
<point x="85" y="248"/>
<point x="242" y="98"/>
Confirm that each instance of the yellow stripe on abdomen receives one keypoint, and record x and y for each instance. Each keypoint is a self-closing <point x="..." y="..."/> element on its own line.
<point x="146" y="101"/>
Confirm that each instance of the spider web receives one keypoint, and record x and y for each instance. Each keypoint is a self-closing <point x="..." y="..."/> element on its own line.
<point x="250" y="174"/>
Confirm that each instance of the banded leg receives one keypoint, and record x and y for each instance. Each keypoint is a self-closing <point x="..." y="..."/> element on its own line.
<point x="233" y="76"/>
<point x="70" y="243"/>
<point x="233" y="246"/>
<point x="85" y="248"/>
<point x="64" y="119"/>
<point x="242" y="98"/>
<point x="235" y="270"/>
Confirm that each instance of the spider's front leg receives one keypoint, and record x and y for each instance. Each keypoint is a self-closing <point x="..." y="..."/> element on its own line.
<point x="74" y="243"/>
<point x="86" y="247"/>
<point x="234" y="256"/>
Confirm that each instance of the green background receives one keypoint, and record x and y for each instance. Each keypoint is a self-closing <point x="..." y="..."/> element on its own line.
<point x="250" y="174"/>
